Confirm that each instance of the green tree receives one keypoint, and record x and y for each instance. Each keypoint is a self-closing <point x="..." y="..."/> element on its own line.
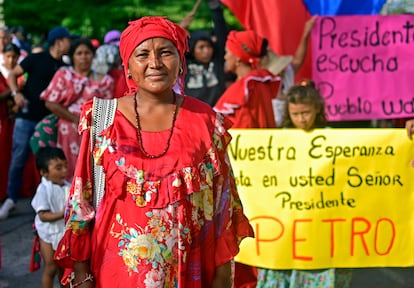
<point x="94" y="18"/>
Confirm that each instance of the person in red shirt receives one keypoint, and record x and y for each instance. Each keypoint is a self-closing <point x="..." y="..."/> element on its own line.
<point x="248" y="101"/>
<point x="170" y="215"/>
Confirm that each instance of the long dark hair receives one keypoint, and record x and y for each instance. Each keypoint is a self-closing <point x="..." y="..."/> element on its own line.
<point x="76" y="43"/>
<point x="306" y="93"/>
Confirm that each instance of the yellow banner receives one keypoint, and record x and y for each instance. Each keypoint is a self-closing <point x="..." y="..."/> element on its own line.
<point x="329" y="198"/>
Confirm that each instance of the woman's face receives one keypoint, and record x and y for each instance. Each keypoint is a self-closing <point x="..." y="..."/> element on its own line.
<point x="230" y="61"/>
<point x="82" y="58"/>
<point x="302" y="115"/>
<point x="154" y="65"/>
<point x="10" y="59"/>
<point x="203" y="51"/>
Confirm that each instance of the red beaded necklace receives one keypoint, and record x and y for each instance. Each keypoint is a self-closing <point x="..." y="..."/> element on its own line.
<point x="139" y="136"/>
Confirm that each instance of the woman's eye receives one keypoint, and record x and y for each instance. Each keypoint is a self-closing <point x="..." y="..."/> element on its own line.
<point x="141" y="55"/>
<point x="166" y="52"/>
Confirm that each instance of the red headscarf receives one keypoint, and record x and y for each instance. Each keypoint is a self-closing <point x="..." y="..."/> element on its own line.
<point x="246" y="45"/>
<point x="144" y="29"/>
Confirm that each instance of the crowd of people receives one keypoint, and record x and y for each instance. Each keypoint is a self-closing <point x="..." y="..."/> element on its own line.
<point x="149" y="200"/>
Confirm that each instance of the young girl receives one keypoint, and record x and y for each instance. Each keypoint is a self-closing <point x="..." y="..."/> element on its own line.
<point x="305" y="110"/>
<point x="49" y="203"/>
<point x="11" y="55"/>
<point x="305" y="107"/>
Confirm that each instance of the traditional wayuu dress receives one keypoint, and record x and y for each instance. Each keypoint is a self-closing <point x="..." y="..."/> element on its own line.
<point x="164" y="222"/>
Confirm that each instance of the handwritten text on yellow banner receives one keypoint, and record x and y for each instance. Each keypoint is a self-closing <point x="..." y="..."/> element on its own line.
<point x="329" y="198"/>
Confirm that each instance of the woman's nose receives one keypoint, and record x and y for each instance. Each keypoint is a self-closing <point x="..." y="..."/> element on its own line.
<point x="154" y="60"/>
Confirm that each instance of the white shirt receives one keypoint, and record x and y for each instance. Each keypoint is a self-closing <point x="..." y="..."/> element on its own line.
<point x="51" y="197"/>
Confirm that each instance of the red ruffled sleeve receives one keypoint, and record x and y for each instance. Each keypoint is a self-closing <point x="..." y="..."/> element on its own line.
<point x="76" y="244"/>
<point x="232" y="224"/>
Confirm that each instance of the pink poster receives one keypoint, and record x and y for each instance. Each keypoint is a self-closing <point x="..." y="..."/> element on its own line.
<point x="364" y="66"/>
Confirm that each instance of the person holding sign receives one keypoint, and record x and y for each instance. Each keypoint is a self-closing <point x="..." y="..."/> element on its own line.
<point x="170" y="215"/>
<point x="305" y="110"/>
<point x="248" y="101"/>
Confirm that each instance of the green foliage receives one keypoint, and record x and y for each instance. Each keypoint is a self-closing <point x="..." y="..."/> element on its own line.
<point x="399" y="7"/>
<point x="93" y="18"/>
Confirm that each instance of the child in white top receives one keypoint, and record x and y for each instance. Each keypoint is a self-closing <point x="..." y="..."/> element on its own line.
<point x="49" y="204"/>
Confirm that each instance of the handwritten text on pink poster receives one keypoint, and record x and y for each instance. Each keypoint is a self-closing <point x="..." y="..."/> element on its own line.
<point x="364" y="66"/>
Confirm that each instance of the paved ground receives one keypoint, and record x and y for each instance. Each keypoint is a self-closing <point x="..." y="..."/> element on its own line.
<point x="16" y="242"/>
<point x="17" y="239"/>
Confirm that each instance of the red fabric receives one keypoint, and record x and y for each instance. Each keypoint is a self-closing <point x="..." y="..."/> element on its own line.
<point x="35" y="257"/>
<point x="31" y="177"/>
<point x="146" y="28"/>
<point x="246" y="45"/>
<point x="30" y="174"/>
<point x="121" y="87"/>
<point x="6" y="132"/>
<point x="175" y="235"/>
<point x="247" y="103"/>
<point x="245" y="276"/>
<point x="281" y="22"/>
<point x="253" y="110"/>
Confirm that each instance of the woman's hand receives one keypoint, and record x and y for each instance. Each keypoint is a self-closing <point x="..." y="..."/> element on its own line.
<point x="222" y="276"/>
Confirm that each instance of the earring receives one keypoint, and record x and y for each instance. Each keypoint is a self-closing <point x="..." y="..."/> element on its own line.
<point x="181" y="70"/>
<point x="129" y="76"/>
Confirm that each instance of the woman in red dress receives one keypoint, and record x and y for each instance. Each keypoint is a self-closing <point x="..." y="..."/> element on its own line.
<point x="170" y="215"/>
<point x="248" y="101"/>
<point x="70" y="88"/>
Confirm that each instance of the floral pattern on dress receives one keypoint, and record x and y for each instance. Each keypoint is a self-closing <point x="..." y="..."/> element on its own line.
<point x="187" y="221"/>
<point x="142" y="191"/>
<point x="82" y="212"/>
<point x="149" y="248"/>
